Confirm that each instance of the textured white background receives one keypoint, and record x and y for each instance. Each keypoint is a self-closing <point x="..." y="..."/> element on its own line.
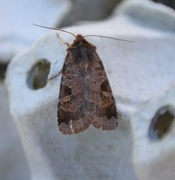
<point x="141" y="75"/>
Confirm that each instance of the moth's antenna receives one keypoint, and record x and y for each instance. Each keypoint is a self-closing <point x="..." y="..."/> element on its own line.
<point x="109" y="38"/>
<point x="55" y="29"/>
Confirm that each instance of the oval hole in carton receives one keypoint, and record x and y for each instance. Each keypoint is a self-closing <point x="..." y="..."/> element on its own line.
<point x="3" y="67"/>
<point x="161" y="123"/>
<point x="37" y="76"/>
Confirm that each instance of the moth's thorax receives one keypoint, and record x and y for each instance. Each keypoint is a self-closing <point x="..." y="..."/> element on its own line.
<point x="81" y="50"/>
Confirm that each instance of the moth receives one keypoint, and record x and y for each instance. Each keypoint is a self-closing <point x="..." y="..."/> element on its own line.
<point x="85" y="96"/>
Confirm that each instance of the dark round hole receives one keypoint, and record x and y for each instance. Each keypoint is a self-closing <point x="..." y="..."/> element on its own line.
<point x="161" y="123"/>
<point x="3" y="67"/>
<point x="37" y="76"/>
<point x="168" y="3"/>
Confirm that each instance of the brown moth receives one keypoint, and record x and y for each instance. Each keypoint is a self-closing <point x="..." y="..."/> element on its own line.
<point x="85" y="94"/>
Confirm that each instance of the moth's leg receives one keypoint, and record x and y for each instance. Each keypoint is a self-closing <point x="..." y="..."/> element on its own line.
<point x="65" y="43"/>
<point x="62" y="41"/>
<point x="55" y="75"/>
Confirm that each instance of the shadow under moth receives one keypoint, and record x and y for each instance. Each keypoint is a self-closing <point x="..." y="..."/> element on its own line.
<point x="85" y="95"/>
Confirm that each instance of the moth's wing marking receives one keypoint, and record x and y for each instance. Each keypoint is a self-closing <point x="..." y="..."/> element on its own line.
<point x="105" y="113"/>
<point x="71" y="118"/>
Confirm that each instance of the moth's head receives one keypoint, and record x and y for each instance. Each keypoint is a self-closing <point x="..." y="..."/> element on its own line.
<point x="81" y="42"/>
